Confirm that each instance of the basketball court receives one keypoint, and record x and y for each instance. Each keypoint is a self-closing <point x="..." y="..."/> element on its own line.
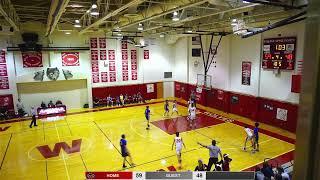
<point x="92" y="141"/>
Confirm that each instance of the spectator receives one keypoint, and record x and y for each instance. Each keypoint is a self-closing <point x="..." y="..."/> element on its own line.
<point x="258" y="175"/>
<point x="118" y="103"/>
<point x="20" y="108"/>
<point x="278" y="177"/>
<point x="3" y="113"/>
<point x="201" y="166"/>
<point x="109" y="100"/>
<point x="59" y="103"/>
<point x="134" y="98"/>
<point x="213" y="153"/>
<point x="96" y="102"/>
<point x="284" y="175"/>
<point x="43" y="105"/>
<point x="267" y="170"/>
<point x="139" y="97"/>
<point x="50" y="104"/>
<point x="226" y="162"/>
<point x="121" y="99"/>
<point x="126" y="100"/>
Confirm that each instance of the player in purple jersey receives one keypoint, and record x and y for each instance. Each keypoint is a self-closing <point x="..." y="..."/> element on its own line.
<point x="147" y="113"/>
<point x="166" y="108"/>
<point x="256" y="137"/>
<point x="125" y="152"/>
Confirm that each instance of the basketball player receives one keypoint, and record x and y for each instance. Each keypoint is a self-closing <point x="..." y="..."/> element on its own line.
<point x="166" y="108"/>
<point x="125" y="152"/>
<point x="192" y="114"/>
<point x="178" y="142"/>
<point x="256" y="137"/>
<point x="174" y="108"/>
<point x="248" y="138"/>
<point x="147" y="114"/>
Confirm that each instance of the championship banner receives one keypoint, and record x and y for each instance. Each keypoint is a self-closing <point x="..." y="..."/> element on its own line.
<point x="150" y="88"/>
<point x="125" y="75"/>
<point x="70" y="58"/>
<point x="124" y="55"/>
<point x="3" y="70"/>
<point x="220" y="95"/>
<point x="7" y="100"/>
<point x="103" y="55"/>
<point x="32" y="59"/>
<point x="134" y="66"/>
<point x="146" y="54"/>
<point x="112" y="76"/>
<point x="94" y="55"/>
<point x="134" y="75"/>
<point x="95" y="77"/>
<point x="95" y="66"/>
<point x="125" y="66"/>
<point x="111" y="54"/>
<point x="133" y="54"/>
<point x="102" y="42"/>
<point x="112" y="65"/>
<point x="124" y="45"/>
<point x="2" y="57"/>
<point x="104" y="76"/>
<point x="4" y="83"/>
<point x="246" y="73"/>
<point x="93" y="43"/>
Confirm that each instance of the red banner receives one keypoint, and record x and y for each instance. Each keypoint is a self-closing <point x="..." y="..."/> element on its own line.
<point x="32" y="59"/>
<point x="124" y="45"/>
<point x="95" y="66"/>
<point x="134" y="54"/>
<point x="7" y="100"/>
<point x="3" y="70"/>
<point x="113" y="77"/>
<point x="146" y="54"/>
<point x="124" y="65"/>
<point x="246" y="73"/>
<point x="111" y="55"/>
<point x="124" y="55"/>
<point x="125" y="75"/>
<point x="133" y="65"/>
<point x="95" y="77"/>
<point x="102" y="43"/>
<point x="2" y="57"/>
<point x="70" y="58"/>
<point x="104" y="76"/>
<point x="94" y="55"/>
<point x="134" y="75"/>
<point x="103" y="55"/>
<point x="112" y="65"/>
<point x="93" y="43"/>
<point x="4" y="83"/>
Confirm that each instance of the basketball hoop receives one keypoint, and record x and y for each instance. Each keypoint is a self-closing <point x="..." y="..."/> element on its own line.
<point x="203" y="82"/>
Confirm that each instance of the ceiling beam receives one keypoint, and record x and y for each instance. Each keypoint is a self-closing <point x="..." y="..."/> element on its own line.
<point x="9" y="13"/>
<point x="57" y="8"/>
<point x="111" y="14"/>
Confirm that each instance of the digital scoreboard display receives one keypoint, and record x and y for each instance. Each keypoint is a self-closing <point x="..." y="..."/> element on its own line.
<point x="279" y="53"/>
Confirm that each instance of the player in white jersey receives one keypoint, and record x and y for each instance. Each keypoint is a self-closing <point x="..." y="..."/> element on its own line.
<point x="248" y="138"/>
<point x="174" y="108"/>
<point x="178" y="142"/>
<point x="192" y="114"/>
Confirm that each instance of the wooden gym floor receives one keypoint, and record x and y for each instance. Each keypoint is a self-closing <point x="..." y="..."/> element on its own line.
<point x="65" y="147"/>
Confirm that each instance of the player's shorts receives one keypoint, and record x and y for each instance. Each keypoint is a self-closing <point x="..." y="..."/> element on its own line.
<point x="256" y="139"/>
<point x="192" y="117"/>
<point x="167" y="110"/>
<point x="147" y="118"/>
<point x="249" y="137"/>
<point x="124" y="154"/>
<point x="174" y="110"/>
<point x="178" y="151"/>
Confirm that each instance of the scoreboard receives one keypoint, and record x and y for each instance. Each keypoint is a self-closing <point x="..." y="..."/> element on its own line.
<point x="161" y="175"/>
<point x="279" y="53"/>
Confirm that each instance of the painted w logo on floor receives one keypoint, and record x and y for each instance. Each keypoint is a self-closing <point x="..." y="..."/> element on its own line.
<point x="48" y="153"/>
<point x="4" y="129"/>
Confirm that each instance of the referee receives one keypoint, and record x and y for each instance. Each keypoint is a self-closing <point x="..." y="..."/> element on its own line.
<point x="213" y="153"/>
<point x="34" y="120"/>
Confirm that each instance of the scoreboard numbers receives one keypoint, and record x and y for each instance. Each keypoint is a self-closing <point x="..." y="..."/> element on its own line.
<point x="279" y="53"/>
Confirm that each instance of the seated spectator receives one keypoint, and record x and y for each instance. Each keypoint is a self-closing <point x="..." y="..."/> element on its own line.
<point x="226" y="162"/>
<point x="284" y="175"/>
<point x="126" y="99"/>
<point x="118" y="103"/>
<point x="50" y="104"/>
<point x="134" y="98"/>
<point x="3" y="113"/>
<point x="201" y="166"/>
<point x="267" y="170"/>
<point x="59" y="103"/>
<point x="43" y="105"/>
<point x="96" y="102"/>
<point x="20" y="108"/>
<point x="121" y="97"/>
<point x="258" y="175"/>
<point x="109" y="100"/>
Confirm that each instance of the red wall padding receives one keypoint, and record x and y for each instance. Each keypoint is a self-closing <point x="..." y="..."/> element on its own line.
<point x="103" y="92"/>
<point x="247" y="106"/>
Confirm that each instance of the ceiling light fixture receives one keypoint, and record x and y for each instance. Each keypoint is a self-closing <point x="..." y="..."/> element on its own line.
<point x="234" y="22"/>
<point x="140" y="27"/>
<point x="77" y="23"/>
<point x="246" y="2"/>
<point x="175" y="16"/>
<point x="94" y="9"/>
<point x="162" y="35"/>
<point x="67" y="33"/>
<point x="189" y="30"/>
